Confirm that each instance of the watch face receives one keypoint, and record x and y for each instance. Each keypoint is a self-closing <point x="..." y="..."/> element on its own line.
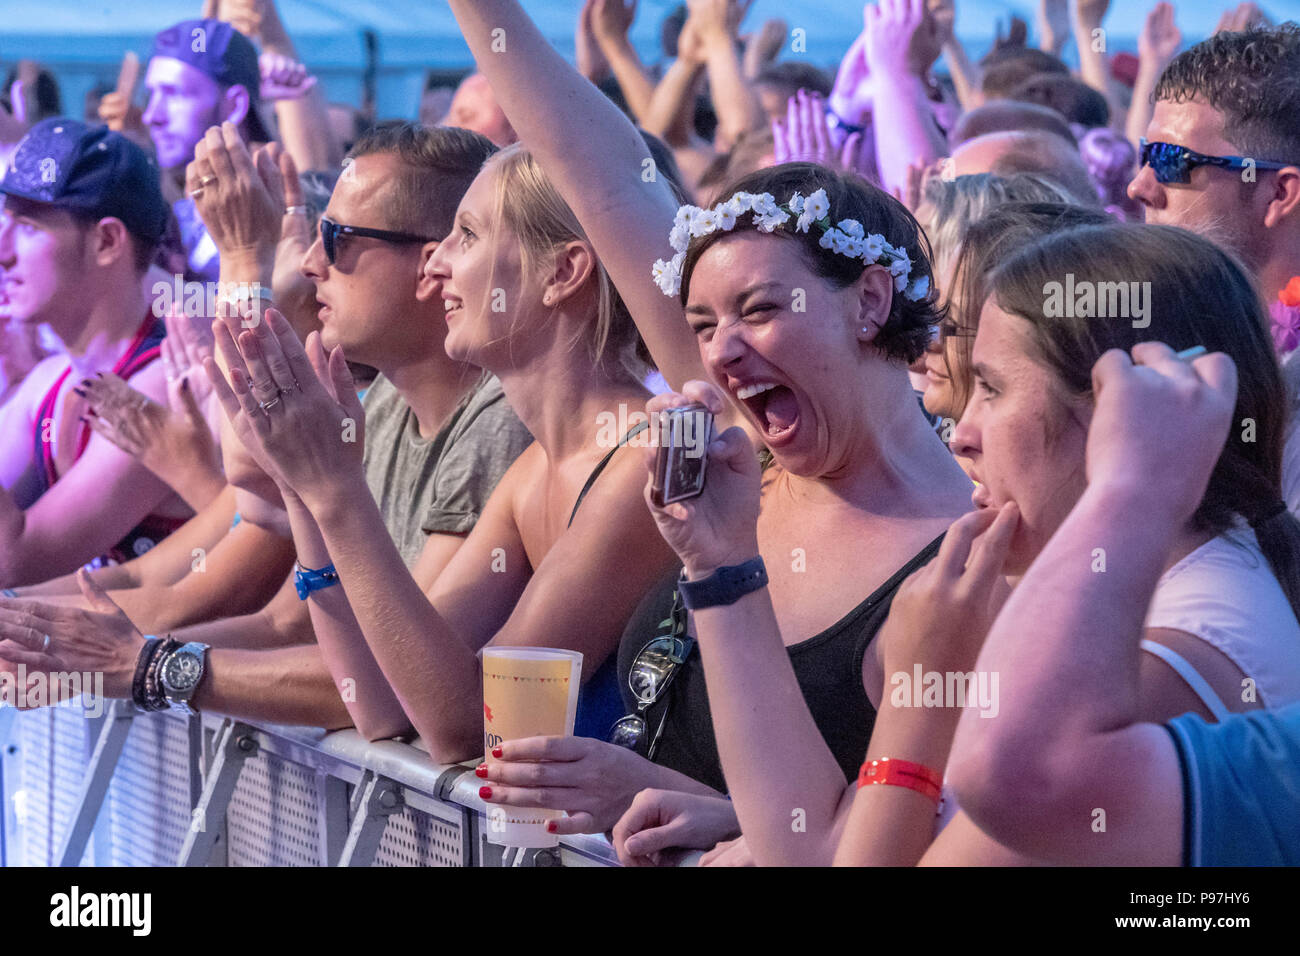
<point x="182" y="671"/>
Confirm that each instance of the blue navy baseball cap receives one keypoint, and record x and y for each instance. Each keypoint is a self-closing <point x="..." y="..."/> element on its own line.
<point x="91" y="170"/>
<point x="221" y="52"/>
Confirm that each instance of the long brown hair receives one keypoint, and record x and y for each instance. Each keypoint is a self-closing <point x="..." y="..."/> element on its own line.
<point x="1197" y="295"/>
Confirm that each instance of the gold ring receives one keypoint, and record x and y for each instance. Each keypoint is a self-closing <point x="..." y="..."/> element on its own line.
<point x="207" y="180"/>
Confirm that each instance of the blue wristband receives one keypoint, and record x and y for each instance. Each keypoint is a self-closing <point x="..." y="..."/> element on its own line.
<point x="305" y="580"/>
<point x="726" y="585"/>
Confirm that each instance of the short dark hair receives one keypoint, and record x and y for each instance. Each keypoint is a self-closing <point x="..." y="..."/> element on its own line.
<point x="905" y="333"/>
<point x="1253" y="79"/>
<point x="143" y="251"/>
<point x="1075" y="100"/>
<point x="437" y="166"/>
<point x="1004" y="71"/>
<point x="795" y="75"/>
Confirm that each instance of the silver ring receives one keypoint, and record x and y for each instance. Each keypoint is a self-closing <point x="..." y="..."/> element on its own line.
<point x="196" y="193"/>
<point x="295" y="210"/>
<point x="267" y="406"/>
<point x="46" y="645"/>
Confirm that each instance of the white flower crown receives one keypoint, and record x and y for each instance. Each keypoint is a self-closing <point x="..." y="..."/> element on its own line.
<point x="847" y="238"/>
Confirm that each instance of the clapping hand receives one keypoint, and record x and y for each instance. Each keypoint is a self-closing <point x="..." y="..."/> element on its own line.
<point x="295" y="409"/>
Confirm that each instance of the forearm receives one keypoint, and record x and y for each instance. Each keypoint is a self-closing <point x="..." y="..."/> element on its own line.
<point x="890" y="825"/>
<point x="1078" y="678"/>
<point x="965" y="74"/>
<point x="631" y="76"/>
<point x="670" y="100"/>
<point x="761" y="722"/>
<point x="433" y="673"/>
<point x="1093" y="66"/>
<point x="905" y="131"/>
<point x="374" y="708"/>
<point x="288" y="685"/>
<point x="306" y="132"/>
<point x="734" y="98"/>
<point x="1141" y="107"/>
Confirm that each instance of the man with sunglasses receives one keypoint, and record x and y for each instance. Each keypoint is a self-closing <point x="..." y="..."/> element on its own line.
<point x="1221" y="155"/>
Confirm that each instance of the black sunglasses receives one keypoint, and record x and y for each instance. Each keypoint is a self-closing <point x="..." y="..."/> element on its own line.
<point x="1174" y="164"/>
<point x="653" y="670"/>
<point x="330" y="231"/>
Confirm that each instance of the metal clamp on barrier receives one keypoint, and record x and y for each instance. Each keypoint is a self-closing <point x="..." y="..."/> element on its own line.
<point x="376" y="799"/>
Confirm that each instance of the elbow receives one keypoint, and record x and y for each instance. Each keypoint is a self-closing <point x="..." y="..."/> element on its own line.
<point x="450" y="748"/>
<point x="1010" y="788"/>
<point x="382" y="728"/>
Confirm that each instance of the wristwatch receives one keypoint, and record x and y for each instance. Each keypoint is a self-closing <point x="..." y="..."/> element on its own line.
<point x="726" y="585"/>
<point x="181" y="673"/>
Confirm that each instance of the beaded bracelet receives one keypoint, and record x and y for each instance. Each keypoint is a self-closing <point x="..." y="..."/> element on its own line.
<point x="141" y="669"/>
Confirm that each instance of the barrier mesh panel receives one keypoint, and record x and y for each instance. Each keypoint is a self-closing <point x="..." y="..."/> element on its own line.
<point x="54" y="753"/>
<point x="149" y="799"/>
<point x="413" y="838"/>
<point x="272" y="819"/>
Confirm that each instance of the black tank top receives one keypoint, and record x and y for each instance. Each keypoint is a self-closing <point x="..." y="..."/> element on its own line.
<point x="828" y="667"/>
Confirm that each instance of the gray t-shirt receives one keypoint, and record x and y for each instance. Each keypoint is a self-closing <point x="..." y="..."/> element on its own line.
<point x="439" y="484"/>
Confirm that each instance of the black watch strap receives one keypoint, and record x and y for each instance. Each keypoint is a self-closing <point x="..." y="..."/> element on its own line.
<point x="726" y="585"/>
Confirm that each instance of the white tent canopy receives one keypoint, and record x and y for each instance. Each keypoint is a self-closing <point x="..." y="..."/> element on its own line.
<point x="84" y="41"/>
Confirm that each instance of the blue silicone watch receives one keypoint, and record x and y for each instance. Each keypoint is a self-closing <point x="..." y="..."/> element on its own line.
<point x="726" y="585"/>
<point x="306" y="580"/>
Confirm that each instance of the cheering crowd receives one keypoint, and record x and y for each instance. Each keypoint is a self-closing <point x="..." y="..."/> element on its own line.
<point x="996" y="560"/>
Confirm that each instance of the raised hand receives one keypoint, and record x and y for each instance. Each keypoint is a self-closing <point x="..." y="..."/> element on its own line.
<point x="590" y="59"/>
<point x="1153" y="408"/>
<point x="889" y="28"/>
<point x="284" y="78"/>
<point x="764" y="47"/>
<point x="298" y="416"/>
<point x="1160" y="36"/>
<point x="942" y="613"/>
<point x="803" y="136"/>
<point x="719" y="527"/>
<point x="611" y="19"/>
<point x="1091" y="12"/>
<point x="1244" y="16"/>
<point x="240" y="211"/>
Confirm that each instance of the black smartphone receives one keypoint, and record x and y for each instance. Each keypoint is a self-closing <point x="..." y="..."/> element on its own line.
<point x="684" y="436"/>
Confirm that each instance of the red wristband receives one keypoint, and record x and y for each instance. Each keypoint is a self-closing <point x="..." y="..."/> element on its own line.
<point x="902" y="773"/>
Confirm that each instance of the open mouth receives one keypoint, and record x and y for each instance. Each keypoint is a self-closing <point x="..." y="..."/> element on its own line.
<point x="773" y="406"/>
<point x="453" y="306"/>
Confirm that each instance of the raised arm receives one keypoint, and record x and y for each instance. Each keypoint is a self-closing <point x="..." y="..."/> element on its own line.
<point x="598" y="162"/>
<point x="1157" y="44"/>
<point x="1094" y="65"/>
<point x="735" y="99"/>
<point x="610" y="22"/>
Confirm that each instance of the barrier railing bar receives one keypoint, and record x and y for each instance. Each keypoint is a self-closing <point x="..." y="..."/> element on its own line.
<point x="94" y="784"/>
<point x="6" y="809"/>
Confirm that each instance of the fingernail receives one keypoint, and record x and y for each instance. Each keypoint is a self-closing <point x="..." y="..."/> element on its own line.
<point x="496" y="752"/>
<point x="552" y="826"/>
<point x="481" y="771"/>
<point x="485" y="793"/>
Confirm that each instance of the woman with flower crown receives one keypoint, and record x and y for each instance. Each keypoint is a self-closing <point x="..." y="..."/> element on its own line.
<point x="806" y="295"/>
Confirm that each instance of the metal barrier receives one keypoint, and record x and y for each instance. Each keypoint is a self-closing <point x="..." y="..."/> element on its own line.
<point x="130" y="789"/>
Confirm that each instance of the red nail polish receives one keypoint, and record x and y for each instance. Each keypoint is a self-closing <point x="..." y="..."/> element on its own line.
<point x="485" y="793"/>
<point x="496" y="752"/>
<point x="481" y="770"/>
<point x="551" y="826"/>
